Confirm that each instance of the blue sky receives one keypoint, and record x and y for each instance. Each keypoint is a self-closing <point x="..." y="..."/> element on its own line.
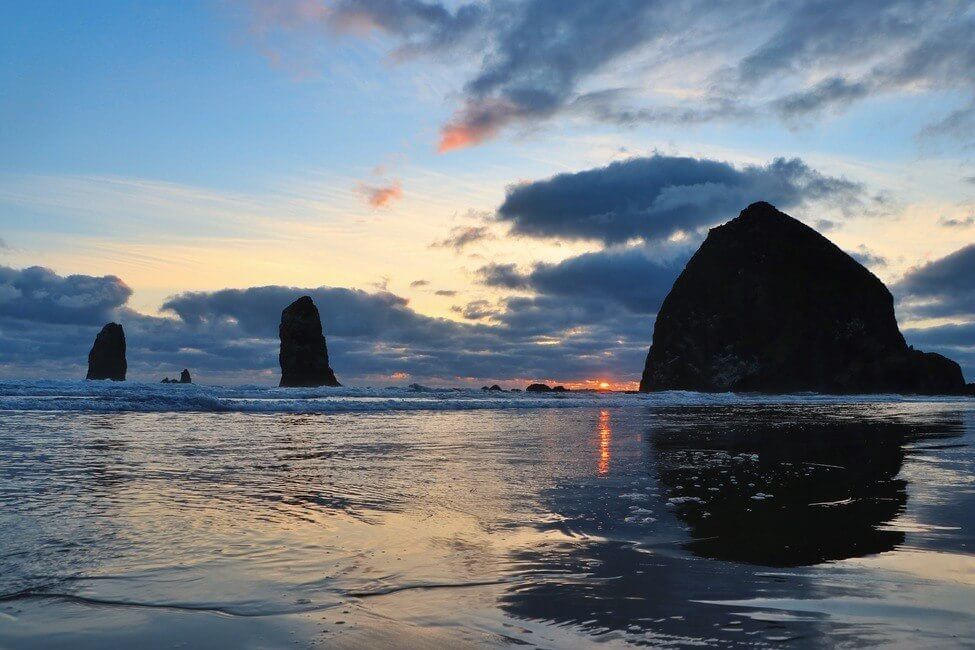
<point x="196" y="147"/>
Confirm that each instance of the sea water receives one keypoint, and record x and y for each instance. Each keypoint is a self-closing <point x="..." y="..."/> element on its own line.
<point x="144" y="515"/>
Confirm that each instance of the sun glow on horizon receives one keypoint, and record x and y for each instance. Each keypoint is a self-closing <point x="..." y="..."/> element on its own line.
<point x="601" y="385"/>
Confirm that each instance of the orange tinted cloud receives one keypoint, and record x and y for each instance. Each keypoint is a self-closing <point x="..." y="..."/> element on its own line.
<point x="476" y="122"/>
<point x="459" y="136"/>
<point x="381" y="196"/>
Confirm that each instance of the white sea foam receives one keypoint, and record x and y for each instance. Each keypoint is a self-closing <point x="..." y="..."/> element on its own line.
<point x="60" y="395"/>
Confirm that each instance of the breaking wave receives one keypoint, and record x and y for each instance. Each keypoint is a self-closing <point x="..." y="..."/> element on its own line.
<point x="59" y="395"/>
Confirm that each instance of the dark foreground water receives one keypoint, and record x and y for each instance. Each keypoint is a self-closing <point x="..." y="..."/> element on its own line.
<point x="133" y="517"/>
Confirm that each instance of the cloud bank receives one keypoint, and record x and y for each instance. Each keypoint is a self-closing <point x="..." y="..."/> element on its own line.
<point x="231" y="335"/>
<point x="589" y="316"/>
<point x="613" y="61"/>
<point x="37" y="293"/>
<point x="657" y="197"/>
<point x="943" y="288"/>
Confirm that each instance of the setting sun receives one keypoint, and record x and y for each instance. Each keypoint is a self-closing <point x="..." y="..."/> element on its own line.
<point x="603" y="385"/>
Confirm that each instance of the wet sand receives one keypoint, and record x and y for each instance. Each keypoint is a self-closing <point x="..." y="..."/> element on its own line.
<point x="722" y="525"/>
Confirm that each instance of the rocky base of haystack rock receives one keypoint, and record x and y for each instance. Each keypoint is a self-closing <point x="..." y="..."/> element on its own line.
<point x="767" y="304"/>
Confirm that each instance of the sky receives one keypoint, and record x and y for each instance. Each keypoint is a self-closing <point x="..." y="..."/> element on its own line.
<point x="472" y="192"/>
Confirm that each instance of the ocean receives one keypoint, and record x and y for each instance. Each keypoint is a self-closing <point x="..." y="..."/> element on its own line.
<point x="149" y="515"/>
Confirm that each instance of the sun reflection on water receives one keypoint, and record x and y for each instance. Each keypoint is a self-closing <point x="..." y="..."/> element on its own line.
<point x="605" y="438"/>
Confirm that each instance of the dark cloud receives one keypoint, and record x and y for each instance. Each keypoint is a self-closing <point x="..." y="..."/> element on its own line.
<point x="611" y="283"/>
<point x="589" y="330"/>
<point x="942" y="288"/>
<point x="804" y="34"/>
<point x="653" y="198"/>
<point x="463" y="236"/>
<point x="630" y="277"/>
<point x="959" y="123"/>
<point x="866" y="49"/>
<point x="231" y="335"/>
<point x="502" y="275"/>
<point x="828" y="94"/>
<point x="38" y="293"/>
<point x="535" y="59"/>
<point x="445" y="292"/>
<point x="419" y="283"/>
<point x="257" y="310"/>
<point x="540" y="54"/>
<point x="476" y="310"/>
<point x="957" y="223"/>
<point x="955" y="336"/>
<point x="373" y="334"/>
<point x="865" y="256"/>
<point x="616" y="106"/>
<point x="426" y="26"/>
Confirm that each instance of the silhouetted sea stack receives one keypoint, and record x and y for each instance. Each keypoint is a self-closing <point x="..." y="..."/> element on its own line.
<point x="767" y="304"/>
<point x="107" y="357"/>
<point x="544" y="388"/>
<point x="304" y="355"/>
<point x="184" y="378"/>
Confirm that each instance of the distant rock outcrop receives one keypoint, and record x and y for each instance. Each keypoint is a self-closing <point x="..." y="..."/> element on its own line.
<point x="768" y="304"/>
<point x="304" y="354"/>
<point x="107" y="357"/>
<point x="544" y="388"/>
<point x="184" y="378"/>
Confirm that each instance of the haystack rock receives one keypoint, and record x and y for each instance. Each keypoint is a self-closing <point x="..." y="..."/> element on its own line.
<point x="184" y="377"/>
<point x="304" y="355"/>
<point x="767" y="304"/>
<point x="107" y="357"/>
